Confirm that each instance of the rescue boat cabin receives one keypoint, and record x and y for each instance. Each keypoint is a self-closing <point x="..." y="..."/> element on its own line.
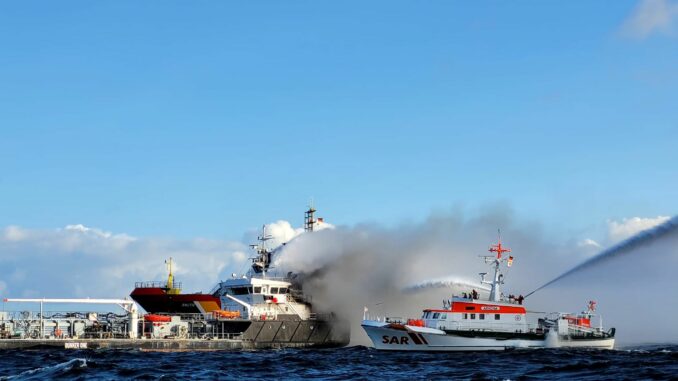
<point x="498" y="313"/>
<point x="471" y="314"/>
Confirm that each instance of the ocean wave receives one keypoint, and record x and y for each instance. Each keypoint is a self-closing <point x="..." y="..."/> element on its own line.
<point x="45" y="372"/>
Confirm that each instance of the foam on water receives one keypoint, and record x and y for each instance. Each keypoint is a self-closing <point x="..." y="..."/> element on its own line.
<point x="46" y="372"/>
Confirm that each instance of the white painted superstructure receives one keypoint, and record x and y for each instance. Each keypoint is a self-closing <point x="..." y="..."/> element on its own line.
<point x="466" y="323"/>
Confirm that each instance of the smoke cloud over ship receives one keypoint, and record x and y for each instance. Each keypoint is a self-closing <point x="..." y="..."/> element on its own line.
<point x="391" y="270"/>
<point x="399" y="271"/>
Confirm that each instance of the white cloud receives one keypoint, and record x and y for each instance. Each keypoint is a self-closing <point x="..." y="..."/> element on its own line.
<point x="79" y="261"/>
<point x="282" y="232"/>
<point x="13" y="233"/>
<point x="82" y="261"/>
<point x="627" y="227"/>
<point x="650" y="17"/>
<point x="589" y="243"/>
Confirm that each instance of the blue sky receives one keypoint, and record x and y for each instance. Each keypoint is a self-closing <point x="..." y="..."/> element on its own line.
<point x="187" y="119"/>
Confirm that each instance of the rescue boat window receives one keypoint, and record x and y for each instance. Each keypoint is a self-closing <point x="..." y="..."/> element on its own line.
<point x="257" y="290"/>
<point x="482" y="316"/>
<point x="274" y="290"/>
<point x="470" y="308"/>
<point x="473" y="316"/>
<point x="497" y="316"/>
<point x="283" y="290"/>
<point x="465" y="316"/>
<point x="435" y="315"/>
<point x="443" y="316"/>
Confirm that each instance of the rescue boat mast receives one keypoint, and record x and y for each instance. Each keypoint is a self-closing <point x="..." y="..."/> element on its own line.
<point x="496" y="261"/>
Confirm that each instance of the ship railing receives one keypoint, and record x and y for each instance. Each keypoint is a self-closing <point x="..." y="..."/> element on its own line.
<point x="278" y="278"/>
<point x="210" y="316"/>
<point x="156" y="284"/>
<point x="325" y="316"/>
<point x="61" y="315"/>
<point x="227" y="336"/>
<point x="215" y="289"/>
<point x="492" y="327"/>
<point x="191" y="316"/>
<point x="298" y="296"/>
<point x="578" y="329"/>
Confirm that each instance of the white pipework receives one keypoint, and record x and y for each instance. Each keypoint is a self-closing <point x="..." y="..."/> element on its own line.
<point x="127" y="305"/>
<point x="248" y="306"/>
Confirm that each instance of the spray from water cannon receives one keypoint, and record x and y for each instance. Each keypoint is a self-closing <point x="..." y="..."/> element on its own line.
<point x="643" y="238"/>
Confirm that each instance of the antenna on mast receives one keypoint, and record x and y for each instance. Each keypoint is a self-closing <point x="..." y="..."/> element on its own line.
<point x="495" y="261"/>
<point x="309" y="217"/>
<point x="262" y="261"/>
<point x="498" y="248"/>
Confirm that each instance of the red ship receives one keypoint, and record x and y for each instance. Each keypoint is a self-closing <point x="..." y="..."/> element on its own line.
<point x="166" y="297"/>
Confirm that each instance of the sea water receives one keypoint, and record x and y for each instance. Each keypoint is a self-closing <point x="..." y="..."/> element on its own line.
<point x="633" y="363"/>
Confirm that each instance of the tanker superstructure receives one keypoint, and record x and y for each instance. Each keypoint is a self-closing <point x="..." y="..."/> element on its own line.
<point x="469" y="323"/>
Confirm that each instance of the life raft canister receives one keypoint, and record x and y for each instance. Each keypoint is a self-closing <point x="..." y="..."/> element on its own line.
<point x="158" y="318"/>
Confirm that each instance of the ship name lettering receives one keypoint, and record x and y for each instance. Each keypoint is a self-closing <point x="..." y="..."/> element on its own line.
<point x="395" y="340"/>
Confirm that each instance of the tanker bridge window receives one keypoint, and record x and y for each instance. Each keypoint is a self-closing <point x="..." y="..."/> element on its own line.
<point x="240" y="290"/>
<point x="274" y="290"/>
<point x="473" y="316"/>
<point x="497" y="316"/>
<point x="257" y="290"/>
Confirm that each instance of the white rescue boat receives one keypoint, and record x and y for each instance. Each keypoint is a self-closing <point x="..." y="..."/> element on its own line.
<point x="468" y="323"/>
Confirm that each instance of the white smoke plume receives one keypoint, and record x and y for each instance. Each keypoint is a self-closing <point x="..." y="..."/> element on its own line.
<point x="349" y="268"/>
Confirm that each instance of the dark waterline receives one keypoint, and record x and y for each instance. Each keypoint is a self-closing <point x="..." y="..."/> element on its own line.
<point x="646" y="362"/>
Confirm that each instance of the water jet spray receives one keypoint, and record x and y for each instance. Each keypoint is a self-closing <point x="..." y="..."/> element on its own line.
<point x="643" y="238"/>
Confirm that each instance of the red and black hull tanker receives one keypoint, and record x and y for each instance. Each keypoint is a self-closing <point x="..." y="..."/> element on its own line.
<point x="158" y="298"/>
